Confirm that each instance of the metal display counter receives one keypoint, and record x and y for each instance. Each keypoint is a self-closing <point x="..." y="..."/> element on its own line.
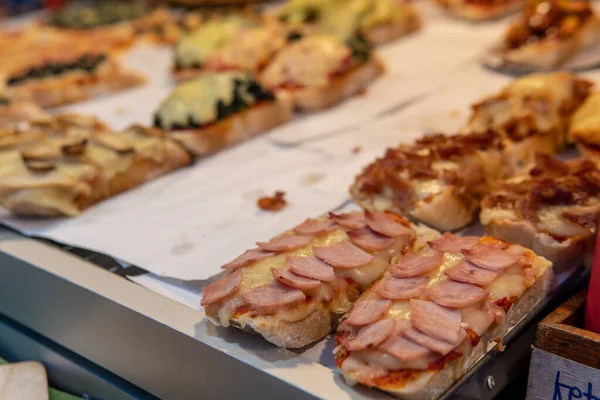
<point x="158" y="347"/>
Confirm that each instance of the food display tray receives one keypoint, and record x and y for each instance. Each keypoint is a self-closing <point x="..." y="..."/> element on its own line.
<point x="87" y="304"/>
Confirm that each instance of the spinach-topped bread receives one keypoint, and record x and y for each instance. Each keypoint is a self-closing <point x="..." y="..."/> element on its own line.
<point x="193" y="50"/>
<point x="130" y="19"/>
<point x="320" y="71"/>
<point x="65" y="73"/>
<point x="217" y="110"/>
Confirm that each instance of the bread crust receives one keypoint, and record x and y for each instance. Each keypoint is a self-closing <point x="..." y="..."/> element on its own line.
<point x="339" y="88"/>
<point x="236" y="128"/>
<point x="432" y="384"/>
<point x="385" y="33"/>
<point x="480" y="13"/>
<point x="71" y="196"/>
<point x="564" y="254"/>
<point x="549" y="54"/>
<point x="75" y="86"/>
<point x="19" y="111"/>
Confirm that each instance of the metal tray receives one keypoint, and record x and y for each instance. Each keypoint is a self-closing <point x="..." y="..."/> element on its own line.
<point x="82" y="302"/>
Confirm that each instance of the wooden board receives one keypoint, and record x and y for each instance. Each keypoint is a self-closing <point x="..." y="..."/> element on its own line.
<point x="559" y="334"/>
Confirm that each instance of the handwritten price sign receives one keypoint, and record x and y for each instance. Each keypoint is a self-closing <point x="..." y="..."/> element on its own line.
<point x="555" y="378"/>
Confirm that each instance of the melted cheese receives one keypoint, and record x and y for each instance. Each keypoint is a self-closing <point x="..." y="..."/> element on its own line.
<point x="192" y="50"/>
<point x="309" y="62"/>
<point x="110" y="162"/>
<point x="551" y="221"/>
<point x="198" y="98"/>
<point x="559" y="86"/>
<point x="260" y="274"/>
<point x="507" y="285"/>
<point x="248" y="50"/>
<point x="585" y="124"/>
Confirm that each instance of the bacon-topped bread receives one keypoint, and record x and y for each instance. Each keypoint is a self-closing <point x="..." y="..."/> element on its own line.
<point x="320" y="71"/>
<point x="378" y="21"/>
<point x="432" y="314"/>
<point x="439" y="180"/>
<point x="480" y="10"/>
<point x="553" y="210"/>
<point x="216" y="110"/>
<point x="293" y="289"/>
<point x="534" y="111"/>
<point x="58" y="166"/>
<point x="585" y="128"/>
<point x="552" y="33"/>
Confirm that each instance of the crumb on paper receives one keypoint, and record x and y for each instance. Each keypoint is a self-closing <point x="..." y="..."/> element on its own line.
<point x="272" y="203"/>
<point x="356" y="149"/>
<point x="312" y="179"/>
<point x="501" y="346"/>
<point x="121" y="111"/>
<point x="454" y="113"/>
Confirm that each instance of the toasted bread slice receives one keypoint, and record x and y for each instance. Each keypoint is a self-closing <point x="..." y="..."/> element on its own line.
<point x="554" y="210"/>
<point x="23" y="381"/>
<point x="293" y="291"/>
<point x="436" y="322"/>
<point x="14" y="112"/>
<point x="65" y="164"/>
<point x="234" y="129"/>
<point x="339" y="88"/>
<point x="439" y="180"/>
<point x="480" y="12"/>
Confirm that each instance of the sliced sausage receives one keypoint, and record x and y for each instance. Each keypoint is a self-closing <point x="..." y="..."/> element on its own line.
<point x="368" y="239"/>
<point x="310" y="267"/>
<point x="470" y="273"/>
<point x="434" y="320"/>
<point x="366" y="311"/>
<point x="388" y="224"/>
<point x="415" y="264"/>
<point x="249" y="257"/>
<point x="222" y="289"/>
<point x="296" y="281"/>
<point x="491" y="257"/>
<point x="355" y="220"/>
<point x="371" y="335"/>
<point x="449" y="243"/>
<point x="285" y="243"/>
<point x="272" y="297"/>
<point x="394" y="288"/>
<point x="343" y="255"/>
<point x="315" y="227"/>
<point x="455" y="294"/>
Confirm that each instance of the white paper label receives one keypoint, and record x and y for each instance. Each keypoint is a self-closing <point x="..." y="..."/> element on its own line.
<point x="555" y="378"/>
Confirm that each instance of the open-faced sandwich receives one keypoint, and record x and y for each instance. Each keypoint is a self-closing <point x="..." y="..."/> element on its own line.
<point x="58" y="166"/>
<point x="319" y="71"/>
<point x="57" y="75"/>
<point x="551" y="34"/>
<point x="293" y="289"/>
<point x="480" y="10"/>
<point x="585" y="128"/>
<point x="193" y="50"/>
<point x="432" y="314"/>
<point x="127" y="19"/>
<point x="378" y="21"/>
<point x="439" y="180"/>
<point x="216" y="110"/>
<point x="14" y="112"/>
<point x="533" y="112"/>
<point x="553" y="210"/>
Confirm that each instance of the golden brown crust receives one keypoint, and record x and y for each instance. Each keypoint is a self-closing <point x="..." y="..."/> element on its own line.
<point x="14" y="112"/>
<point x="234" y="129"/>
<point x="64" y="164"/>
<point x="339" y="88"/>
<point x="75" y="86"/>
<point x="480" y="12"/>
<point x="385" y="33"/>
